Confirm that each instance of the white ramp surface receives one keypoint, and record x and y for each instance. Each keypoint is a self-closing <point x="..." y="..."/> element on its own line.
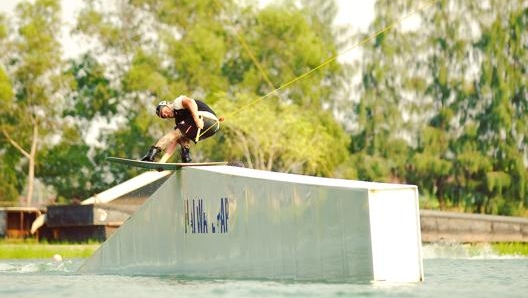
<point x="231" y="222"/>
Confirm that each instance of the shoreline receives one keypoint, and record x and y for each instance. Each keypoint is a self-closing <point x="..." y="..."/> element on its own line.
<point x="35" y="250"/>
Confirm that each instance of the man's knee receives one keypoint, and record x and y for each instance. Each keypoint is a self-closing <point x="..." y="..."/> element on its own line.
<point x="166" y="140"/>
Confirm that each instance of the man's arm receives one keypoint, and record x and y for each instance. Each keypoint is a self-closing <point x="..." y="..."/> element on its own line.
<point x="190" y="104"/>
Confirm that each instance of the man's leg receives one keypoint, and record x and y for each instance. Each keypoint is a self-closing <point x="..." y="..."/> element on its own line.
<point x="151" y="154"/>
<point x="166" y="143"/>
<point x="169" y="151"/>
<point x="185" y="144"/>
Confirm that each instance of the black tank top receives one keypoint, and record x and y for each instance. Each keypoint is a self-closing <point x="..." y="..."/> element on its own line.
<point x="185" y="115"/>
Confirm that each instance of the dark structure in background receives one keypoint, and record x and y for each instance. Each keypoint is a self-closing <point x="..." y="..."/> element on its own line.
<point x="15" y="222"/>
<point x="95" y="219"/>
<point x="80" y="223"/>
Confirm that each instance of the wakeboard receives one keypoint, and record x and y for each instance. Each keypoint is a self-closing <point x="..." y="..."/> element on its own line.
<point x="161" y="166"/>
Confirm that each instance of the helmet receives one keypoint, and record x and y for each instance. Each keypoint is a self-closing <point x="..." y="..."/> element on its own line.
<point x="160" y="105"/>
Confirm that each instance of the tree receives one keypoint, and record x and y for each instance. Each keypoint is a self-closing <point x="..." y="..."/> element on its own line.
<point x="287" y="47"/>
<point x="33" y="64"/>
<point x="281" y="137"/>
<point x="470" y="168"/>
<point x="501" y="88"/>
<point x="385" y="114"/>
<point x="453" y="86"/>
<point x="288" y="130"/>
<point x="430" y="165"/>
<point x="8" y="181"/>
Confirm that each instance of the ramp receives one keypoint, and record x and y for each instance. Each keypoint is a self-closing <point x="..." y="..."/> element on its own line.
<point x="126" y="187"/>
<point x="236" y="223"/>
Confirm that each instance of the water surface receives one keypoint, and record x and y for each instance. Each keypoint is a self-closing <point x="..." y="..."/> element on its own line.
<point x="450" y="271"/>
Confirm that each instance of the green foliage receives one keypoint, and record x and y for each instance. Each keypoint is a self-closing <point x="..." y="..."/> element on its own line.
<point x="145" y="75"/>
<point x="458" y="94"/>
<point x="8" y="183"/>
<point x="93" y="95"/>
<point x="6" y="89"/>
<point x="372" y="168"/>
<point x="33" y="65"/>
<point x="511" y="248"/>
<point x="281" y="137"/>
<point x="287" y="48"/>
<point x="502" y="116"/>
<point x="67" y="168"/>
<point x="8" y="180"/>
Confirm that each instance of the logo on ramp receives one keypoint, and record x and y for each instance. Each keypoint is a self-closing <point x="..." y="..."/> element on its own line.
<point x="197" y="220"/>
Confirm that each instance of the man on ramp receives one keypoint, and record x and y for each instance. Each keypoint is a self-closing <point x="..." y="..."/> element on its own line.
<point x="194" y="121"/>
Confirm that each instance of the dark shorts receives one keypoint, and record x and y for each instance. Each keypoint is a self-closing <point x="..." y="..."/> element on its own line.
<point x="211" y="126"/>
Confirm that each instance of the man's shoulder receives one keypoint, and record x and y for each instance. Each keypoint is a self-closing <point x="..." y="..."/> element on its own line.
<point x="202" y="106"/>
<point x="177" y="103"/>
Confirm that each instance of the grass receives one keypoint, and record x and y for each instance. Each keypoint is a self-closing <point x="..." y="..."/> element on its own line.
<point x="30" y="249"/>
<point x="511" y="248"/>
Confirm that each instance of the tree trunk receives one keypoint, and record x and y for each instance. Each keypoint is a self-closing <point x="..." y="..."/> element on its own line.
<point x="31" y="165"/>
<point x="31" y="156"/>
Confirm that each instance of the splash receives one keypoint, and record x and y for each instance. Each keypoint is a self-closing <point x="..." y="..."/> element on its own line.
<point x="38" y="265"/>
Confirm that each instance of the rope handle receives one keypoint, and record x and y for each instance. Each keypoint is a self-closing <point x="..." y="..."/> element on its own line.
<point x="199" y="133"/>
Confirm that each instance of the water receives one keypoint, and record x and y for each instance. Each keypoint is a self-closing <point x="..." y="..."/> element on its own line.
<point x="450" y="271"/>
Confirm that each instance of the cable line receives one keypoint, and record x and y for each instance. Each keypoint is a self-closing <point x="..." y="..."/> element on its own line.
<point x="328" y="61"/>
